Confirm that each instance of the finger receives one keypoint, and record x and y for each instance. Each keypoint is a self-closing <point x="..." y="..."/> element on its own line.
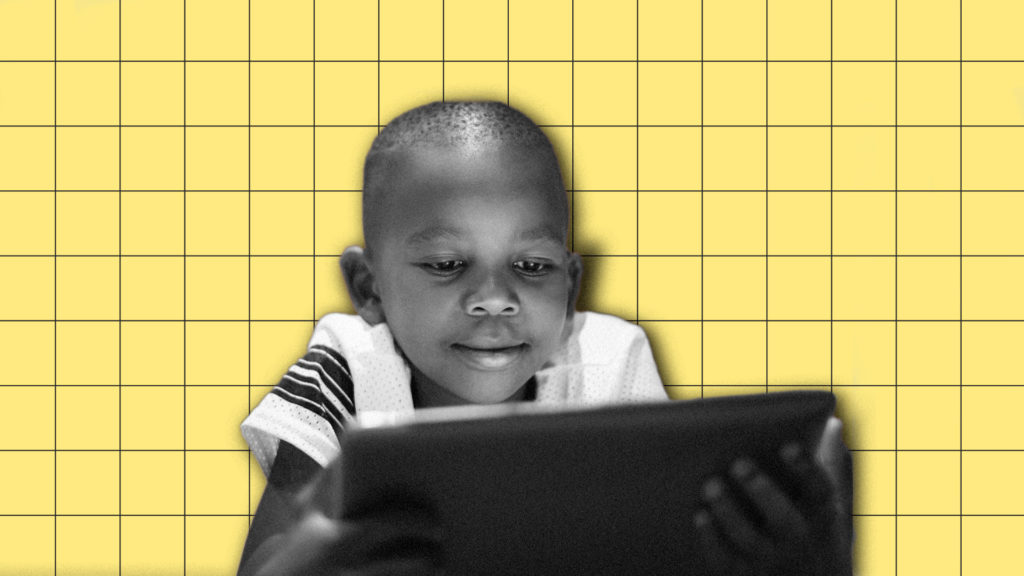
<point x="319" y="546"/>
<point x="838" y="463"/>
<point x="388" y="535"/>
<point x="397" y="567"/>
<point x="831" y="444"/>
<point x="717" y="556"/>
<point x="302" y="550"/>
<point x="781" y="516"/>
<point x="734" y="524"/>
<point x="813" y="487"/>
<point x="831" y="452"/>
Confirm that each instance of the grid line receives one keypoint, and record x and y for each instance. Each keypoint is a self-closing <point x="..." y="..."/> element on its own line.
<point x="120" y="287"/>
<point x="314" y="319"/>
<point x="56" y="350"/>
<point x="713" y="386"/>
<point x="703" y="353"/>
<point x="524" y="60"/>
<point x="184" y="287"/>
<point x="581" y="125"/>
<point x="896" y="285"/>
<point x="248" y="226"/>
<point x="587" y="191"/>
<point x="508" y="52"/>
<point x="444" y="86"/>
<point x="831" y="197"/>
<point x="960" y="334"/>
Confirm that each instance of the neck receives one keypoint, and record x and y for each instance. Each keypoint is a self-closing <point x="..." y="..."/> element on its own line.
<point x="427" y="394"/>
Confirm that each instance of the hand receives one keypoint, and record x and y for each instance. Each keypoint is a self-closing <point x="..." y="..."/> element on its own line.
<point x="400" y="544"/>
<point x="752" y="525"/>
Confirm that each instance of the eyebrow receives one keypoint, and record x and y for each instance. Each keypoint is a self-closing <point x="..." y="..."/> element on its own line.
<point x="434" y="233"/>
<point x="539" y="233"/>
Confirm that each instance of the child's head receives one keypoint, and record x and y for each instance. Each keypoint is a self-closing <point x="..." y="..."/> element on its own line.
<point x="465" y="220"/>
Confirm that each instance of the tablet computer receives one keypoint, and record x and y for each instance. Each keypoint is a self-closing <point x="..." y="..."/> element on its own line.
<point x="599" y="491"/>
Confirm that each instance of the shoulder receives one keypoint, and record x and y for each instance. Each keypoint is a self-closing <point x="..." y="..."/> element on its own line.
<point x="352" y="337"/>
<point x="606" y="336"/>
<point x="324" y="375"/>
<point x="596" y="321"/>
<point x="337" y="330"/>
<point x="606" y="359"/>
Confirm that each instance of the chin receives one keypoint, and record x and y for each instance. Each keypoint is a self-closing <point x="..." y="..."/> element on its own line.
<point x="482" y="393"/>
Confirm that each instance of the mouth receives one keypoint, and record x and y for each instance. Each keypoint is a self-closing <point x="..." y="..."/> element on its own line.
<point x="490" y="358"/>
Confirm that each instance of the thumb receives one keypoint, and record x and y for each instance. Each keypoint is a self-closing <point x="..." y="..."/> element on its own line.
<point x="832" y="454"/>
<point x="300" y="550"/>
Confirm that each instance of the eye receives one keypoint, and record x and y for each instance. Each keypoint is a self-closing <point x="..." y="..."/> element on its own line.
<point x="444" y="267"/>
<point x="532" y="267"/>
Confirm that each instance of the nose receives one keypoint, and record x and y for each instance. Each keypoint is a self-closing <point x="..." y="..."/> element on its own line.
<point x="492" y="296"/>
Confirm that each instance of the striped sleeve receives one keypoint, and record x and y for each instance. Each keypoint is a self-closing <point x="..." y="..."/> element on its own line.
<point x="308" y="408"/>
<point x="321" y="383"/>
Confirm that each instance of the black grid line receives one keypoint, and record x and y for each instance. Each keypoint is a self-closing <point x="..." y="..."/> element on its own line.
<point x="767" y="191"/>
<point x="508" y="52"/>
<point x="896" y="291"/>
<point x="1014" y="320"/>
<point x="133" y="515"/>
<point x="679" y="386"/>
<point x="242" y="515"/>
<point x="378" y="68"/>
<point x="184" y="284"/>
<point x="120" y="286"/>
<point x="268" y="256"/>
<point x="580" y="125"/>
<point x="248" y="225"/>
<point x="703" y="356"/>
<point x="831" y="198"/>
<point x="960" y="159"/>
<point x="312" y="262"/>
<point x="56" y="278"/>
<point x="525" y="60"/>
<point x="148" y="450"/>
<point x="265" y="256"/>
<point x="443" y="61"/>
<point x="588" y="191"/>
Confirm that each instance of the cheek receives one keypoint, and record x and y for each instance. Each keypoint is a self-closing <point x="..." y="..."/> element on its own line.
<point x="415" y="314"/>
<point x="548" y="309"/>
<point x="552" y="296"/>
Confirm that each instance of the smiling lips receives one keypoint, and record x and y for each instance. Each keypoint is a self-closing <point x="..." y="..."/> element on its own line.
<point x="490" y="358"/>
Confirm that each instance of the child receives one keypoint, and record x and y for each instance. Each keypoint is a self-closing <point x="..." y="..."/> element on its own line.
<point x="465" y="293"/>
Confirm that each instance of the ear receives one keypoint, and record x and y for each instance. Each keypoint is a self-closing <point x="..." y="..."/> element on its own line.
<point x="575" y="278"/>
<point x="361" y="284"/>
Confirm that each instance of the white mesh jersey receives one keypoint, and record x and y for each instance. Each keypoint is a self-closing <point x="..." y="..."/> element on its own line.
<point x="352" y="366"/>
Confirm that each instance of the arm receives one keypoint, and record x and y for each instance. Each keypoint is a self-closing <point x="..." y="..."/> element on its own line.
<point x="292" y="536"/>
<point x="292" y="476"/>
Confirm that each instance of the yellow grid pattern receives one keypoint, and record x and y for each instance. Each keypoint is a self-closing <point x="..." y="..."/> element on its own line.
<point x="819" y="193"/>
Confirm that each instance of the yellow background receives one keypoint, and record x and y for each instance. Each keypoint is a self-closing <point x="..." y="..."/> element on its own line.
<point x="782" y="192"/>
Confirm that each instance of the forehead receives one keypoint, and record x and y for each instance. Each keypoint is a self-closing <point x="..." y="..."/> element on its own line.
<point x="494" y="163"/>
<point x="428" y="183"/>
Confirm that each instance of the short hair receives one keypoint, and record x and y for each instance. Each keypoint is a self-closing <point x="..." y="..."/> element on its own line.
<point x="450" y="124"/>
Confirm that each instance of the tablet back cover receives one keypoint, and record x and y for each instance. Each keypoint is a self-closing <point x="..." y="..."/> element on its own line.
<point x="599" y="491"/>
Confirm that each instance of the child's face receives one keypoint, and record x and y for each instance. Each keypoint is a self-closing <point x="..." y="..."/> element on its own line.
<point x="471" y="268"/>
